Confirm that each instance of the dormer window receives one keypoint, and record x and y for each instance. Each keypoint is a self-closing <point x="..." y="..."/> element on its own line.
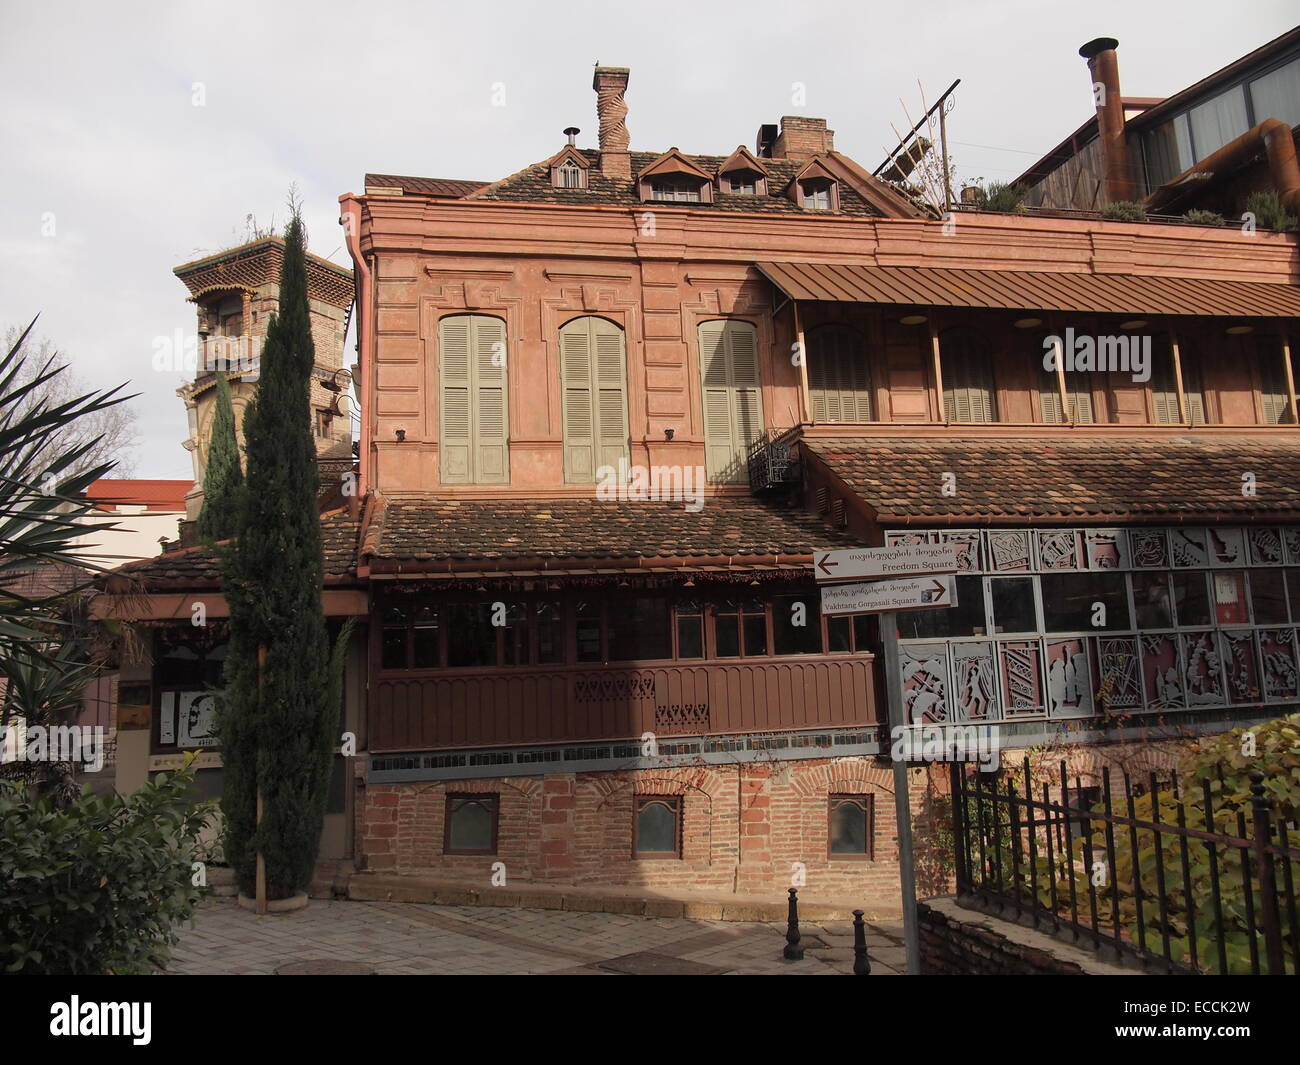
<point x="676" y="189"/>
<point x="568" y="169"/>
<point x="675" y="178"/>
<point x="568" y="175"/>
<point x="742" y="175"/>
<point x="817" y="194"/>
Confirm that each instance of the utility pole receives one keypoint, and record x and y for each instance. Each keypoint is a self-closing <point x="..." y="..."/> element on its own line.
<point x="902" y="804"/>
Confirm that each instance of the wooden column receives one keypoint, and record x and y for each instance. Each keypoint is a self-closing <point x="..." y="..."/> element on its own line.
<point x="1178" y="376"/>
<point x="805" y="400"/>
<point x="1290" y="376"/>
<point x="937" y="367"/>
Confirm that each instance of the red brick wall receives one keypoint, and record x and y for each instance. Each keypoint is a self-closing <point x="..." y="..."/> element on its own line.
<point x="743" y="828"/>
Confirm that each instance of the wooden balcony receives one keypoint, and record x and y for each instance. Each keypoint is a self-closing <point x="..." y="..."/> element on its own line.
<point x="415" y="711"/>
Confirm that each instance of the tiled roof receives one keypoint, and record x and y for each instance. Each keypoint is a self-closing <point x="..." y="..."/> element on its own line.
<point x="109" y="492"/>
<point x="446" y="188"/>
<point x="447" y="529"/>
<point x="533" y="184"/>
<point x="198" y="567"/>
<point x="1100" y="477"/>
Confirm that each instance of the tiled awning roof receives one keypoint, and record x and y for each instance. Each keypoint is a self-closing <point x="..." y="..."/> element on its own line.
<point x="198" y="567"/>
<point x="1102" y="478"/>
<point x="443" y="188"/>
<point x="1032" y="291"/>
<point x="447" y="531"/>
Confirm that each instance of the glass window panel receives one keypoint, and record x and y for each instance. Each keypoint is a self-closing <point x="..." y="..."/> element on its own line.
<point x="1218" y="121"/>
<point x="1268" y="597"/>
<point x="656" y="826"/>
<point x="514" y="636"/>
<point x="1013" y="604"/>
<point x="964" y="619"/>
<point x="425" y="639"/>
<point x="792" y="638"/>
<point x="471" y="637"/>
<point x="1191" y="600"/>
<point x="587" y="629"/>
<point x="690" y="630"/>
<point x="394" y="649"/>
<point x="548" y="624"/>
<point x="756" y="634"/>
<point x="1277" y="94"/>
<point x="850" y="823"/>
<point x="1293" y="592"/>
<point x="1070" y="602"/>
<point x="839" y="635"/>
<point x="727" y="629"/>
<point x="638" y="630"/>
<point x="1155" y="609"/>
<point x="471" y="821"/>
<point x="862" y="624"/>
<point x="1230" y="597"/>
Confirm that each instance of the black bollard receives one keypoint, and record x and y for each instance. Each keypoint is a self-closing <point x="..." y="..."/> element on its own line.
<point x="861" y="963"/>
<point x="793" y="951"/>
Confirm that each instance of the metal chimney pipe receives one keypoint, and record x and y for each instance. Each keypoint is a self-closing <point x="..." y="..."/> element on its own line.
<point x="1104" y="68"/>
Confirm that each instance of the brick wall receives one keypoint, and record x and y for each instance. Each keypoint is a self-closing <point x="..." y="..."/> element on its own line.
<point x="743" y="828"/>
<point x="951" y="946"/>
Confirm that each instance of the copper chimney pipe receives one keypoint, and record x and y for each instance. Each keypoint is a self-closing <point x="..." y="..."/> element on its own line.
<point x="1104" y="68"/>
<point x="1272" y="135"/>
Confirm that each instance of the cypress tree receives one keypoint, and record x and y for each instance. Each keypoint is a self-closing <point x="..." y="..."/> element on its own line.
<point x="223" y="480"/>
<point x="278" y="724"/>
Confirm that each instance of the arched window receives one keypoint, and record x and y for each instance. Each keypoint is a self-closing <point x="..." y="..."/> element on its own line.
<point x="966" y="361"/>
<point x="732" y="397"/>
<point x="839" y="380"/>
<point x="473" y="439"/>
<point x="593" y="375"/>
<point x="568" y="175"/>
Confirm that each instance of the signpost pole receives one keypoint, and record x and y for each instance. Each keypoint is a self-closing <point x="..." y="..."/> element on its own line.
<point x="902" y="806"/>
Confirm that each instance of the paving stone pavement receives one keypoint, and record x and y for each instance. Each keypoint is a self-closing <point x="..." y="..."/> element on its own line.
<point x="397" y="938"/>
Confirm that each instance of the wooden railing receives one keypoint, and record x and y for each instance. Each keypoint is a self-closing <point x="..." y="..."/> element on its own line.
<point x="425" y="711"/>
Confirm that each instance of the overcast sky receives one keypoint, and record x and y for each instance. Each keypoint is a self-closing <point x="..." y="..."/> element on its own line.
<point x="101" y="135"/>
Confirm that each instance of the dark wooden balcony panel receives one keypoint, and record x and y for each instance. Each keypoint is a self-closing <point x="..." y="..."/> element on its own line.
<point x="567" y="704"/>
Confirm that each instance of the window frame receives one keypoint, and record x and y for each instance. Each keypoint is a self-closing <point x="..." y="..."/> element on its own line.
<point x="867" y="801"/>
<point x="465" y="797"/>
<point x="678" y="807"/>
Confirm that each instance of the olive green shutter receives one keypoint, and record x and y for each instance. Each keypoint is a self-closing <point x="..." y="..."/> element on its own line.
<point x="1272" y="380"/>
<point x="1049" y="397"/>
<point x="472" y="385"/>
<point x="593" y="368"/>
<point x="838" y="379"/>
<point x="1164" y="394"/>
<point x="732" y="397"/>
<point x="967" y="380"/>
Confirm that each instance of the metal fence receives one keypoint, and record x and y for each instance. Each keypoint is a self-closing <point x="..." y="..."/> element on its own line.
<point x="1163" y="873"/>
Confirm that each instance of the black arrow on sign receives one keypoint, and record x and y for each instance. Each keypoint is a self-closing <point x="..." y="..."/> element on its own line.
<point x="940" y="589"/>
<point x="825" y="566"/>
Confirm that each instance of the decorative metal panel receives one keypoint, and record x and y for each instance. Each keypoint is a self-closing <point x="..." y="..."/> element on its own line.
<point x="1106" y="549"/>
<point x="1187" y="548"/>
<point x="967" y="544"/>
<point x="1020" y="664"/>
<point x="974" y="689"/>
<point x="1118" y="663"/>
<point x="1069" y="678"/>
<point x="1009" y="551"/>
<point x="1278" y="651"/>
<point x="1162" y="675"/>
<point x="1240" y="667"/>
<point x="1058" y="549"/>
<point x="1265" y="547"/>
<point x="1203" y="669"/>
<point x="925" y="683"/>
<point x="1226" y="547"/>
<point x="1149" y="549"/>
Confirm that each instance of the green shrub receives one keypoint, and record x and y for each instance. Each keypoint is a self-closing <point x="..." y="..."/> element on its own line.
<point x="97" y="887"/>
<point x="1001" y="198"/>
<point x="1124" y="211"/>
<point x="1269" y="212"/>
<point x="1203" y="218"/>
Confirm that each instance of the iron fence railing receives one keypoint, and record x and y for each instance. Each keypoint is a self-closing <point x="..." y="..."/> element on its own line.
<point x="771" y="459"/>
<point x="1164" y="873"/>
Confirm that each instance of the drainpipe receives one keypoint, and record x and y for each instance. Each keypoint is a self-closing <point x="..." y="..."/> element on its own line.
<point x="1104" y="68"/>
<point x="350" y="220"/>
<point x="1272" y="135"/>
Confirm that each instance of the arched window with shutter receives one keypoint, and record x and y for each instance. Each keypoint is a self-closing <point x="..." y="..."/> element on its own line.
<point x="839" y="380"/>
<point x="473" y="440"/>
<point x="593" y="378"/>
<point x="732" y="397"/>
<point x="966" y="361"/>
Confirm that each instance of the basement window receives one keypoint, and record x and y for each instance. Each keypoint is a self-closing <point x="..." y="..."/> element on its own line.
<point x="657" y="831"/>
<point x="471" y="824"/>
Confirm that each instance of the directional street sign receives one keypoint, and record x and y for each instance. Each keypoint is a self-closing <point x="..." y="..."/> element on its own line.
<point x="876" y="597"/>
<point x="902" y="560"/>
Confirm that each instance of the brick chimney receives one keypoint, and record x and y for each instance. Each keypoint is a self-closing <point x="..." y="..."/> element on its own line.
<point x="610" y="84"/>
<point x="1103" y="66"/>
<point x="802" y="138"/>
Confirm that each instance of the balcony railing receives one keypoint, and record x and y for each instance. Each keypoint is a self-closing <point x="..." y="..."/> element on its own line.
<point x="464" y="708"/>
<point x="771" y="460"/>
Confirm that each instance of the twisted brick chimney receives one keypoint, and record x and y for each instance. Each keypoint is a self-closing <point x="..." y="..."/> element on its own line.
<point x="610" y="84"/>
